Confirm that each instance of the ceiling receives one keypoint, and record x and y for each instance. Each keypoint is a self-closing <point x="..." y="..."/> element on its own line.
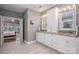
<point x="22" y="7"/>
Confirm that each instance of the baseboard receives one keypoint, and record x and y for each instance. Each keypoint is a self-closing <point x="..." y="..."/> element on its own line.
<point x="30" y="42"/>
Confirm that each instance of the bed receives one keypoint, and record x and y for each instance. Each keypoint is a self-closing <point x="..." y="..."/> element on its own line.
<point x="9" y="36"/>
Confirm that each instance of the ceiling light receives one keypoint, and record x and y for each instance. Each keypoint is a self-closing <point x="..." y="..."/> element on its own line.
<point x="64" y="9"/>
<point x="12" y="20"/>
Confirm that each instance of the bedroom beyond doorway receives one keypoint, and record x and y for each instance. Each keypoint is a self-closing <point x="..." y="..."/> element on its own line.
<point x="12" y="30"/>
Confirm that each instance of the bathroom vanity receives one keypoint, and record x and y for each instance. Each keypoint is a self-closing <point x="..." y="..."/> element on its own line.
<point x="61" y="42"/>
<point x="60" y="33"/>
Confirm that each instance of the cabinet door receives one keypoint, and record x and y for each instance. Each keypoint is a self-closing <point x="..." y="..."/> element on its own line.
<point x="77" y="45"/>
<point x="40" y="37"/>
<point x="56" y="42"/>
<point x="59" y="43"/>
<point x="49" y="39"/>
<point x="52" y="20"/>
<point x="70" y="45"/>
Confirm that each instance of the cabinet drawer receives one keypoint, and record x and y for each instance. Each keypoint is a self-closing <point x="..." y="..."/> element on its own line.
<point x="40" y="34"/>
<point x="48" y="36"/>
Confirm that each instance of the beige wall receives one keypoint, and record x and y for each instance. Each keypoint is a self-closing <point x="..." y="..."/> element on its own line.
<point x="31" y="29"/>
<point x="25" y="25"/>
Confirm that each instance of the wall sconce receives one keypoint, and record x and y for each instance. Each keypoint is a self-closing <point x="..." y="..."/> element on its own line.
<point x="12" y="20"/>
<point x="31" y="22"/>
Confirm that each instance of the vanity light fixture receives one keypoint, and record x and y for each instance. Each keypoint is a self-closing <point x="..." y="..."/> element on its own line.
<point x="60" y="10"/>
<point x="64" y="9"/>
<point x="68" y="7"/>
<point x="73" y="5"/>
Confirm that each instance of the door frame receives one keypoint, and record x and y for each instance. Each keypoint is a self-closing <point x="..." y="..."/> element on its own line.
<point x="1" y="30"/>
<point x="21" y="27"/>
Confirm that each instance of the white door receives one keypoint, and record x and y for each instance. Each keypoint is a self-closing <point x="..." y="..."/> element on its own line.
<point x="1" y="31"/>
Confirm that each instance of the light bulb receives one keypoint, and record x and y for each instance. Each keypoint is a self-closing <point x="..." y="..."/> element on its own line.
<point x="64" y="9"/>
<point x="73" y="5"/>
<point x="12" y="20"/>
<point x="68" y="7"/>
<point x="60" y="10"/>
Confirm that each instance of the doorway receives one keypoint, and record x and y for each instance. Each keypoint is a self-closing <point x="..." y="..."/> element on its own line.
<point x="12" y="29"/>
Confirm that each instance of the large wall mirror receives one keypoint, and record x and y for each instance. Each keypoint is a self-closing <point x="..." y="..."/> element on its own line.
<point x="44" y="21"/>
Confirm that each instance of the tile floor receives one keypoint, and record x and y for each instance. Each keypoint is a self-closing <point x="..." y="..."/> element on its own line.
<point x="23" y="48"/>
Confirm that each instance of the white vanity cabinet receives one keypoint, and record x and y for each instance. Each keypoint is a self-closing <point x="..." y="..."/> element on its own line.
<point x="49" y="40"/>
<point x="62" y="43"/>
<point x="54" y="42"/>
<point x="70" y="44"/>
<point x="40" y="37"/>
<point x="59" y="43"/>
<point x="52" y="20"/>
<point x="66" y="44"/>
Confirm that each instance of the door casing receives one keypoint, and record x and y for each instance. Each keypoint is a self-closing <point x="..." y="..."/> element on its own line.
<point x="2" y="26"/>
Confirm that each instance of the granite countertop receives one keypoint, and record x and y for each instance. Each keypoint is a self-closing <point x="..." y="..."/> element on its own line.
<point x="65" y="34"/>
